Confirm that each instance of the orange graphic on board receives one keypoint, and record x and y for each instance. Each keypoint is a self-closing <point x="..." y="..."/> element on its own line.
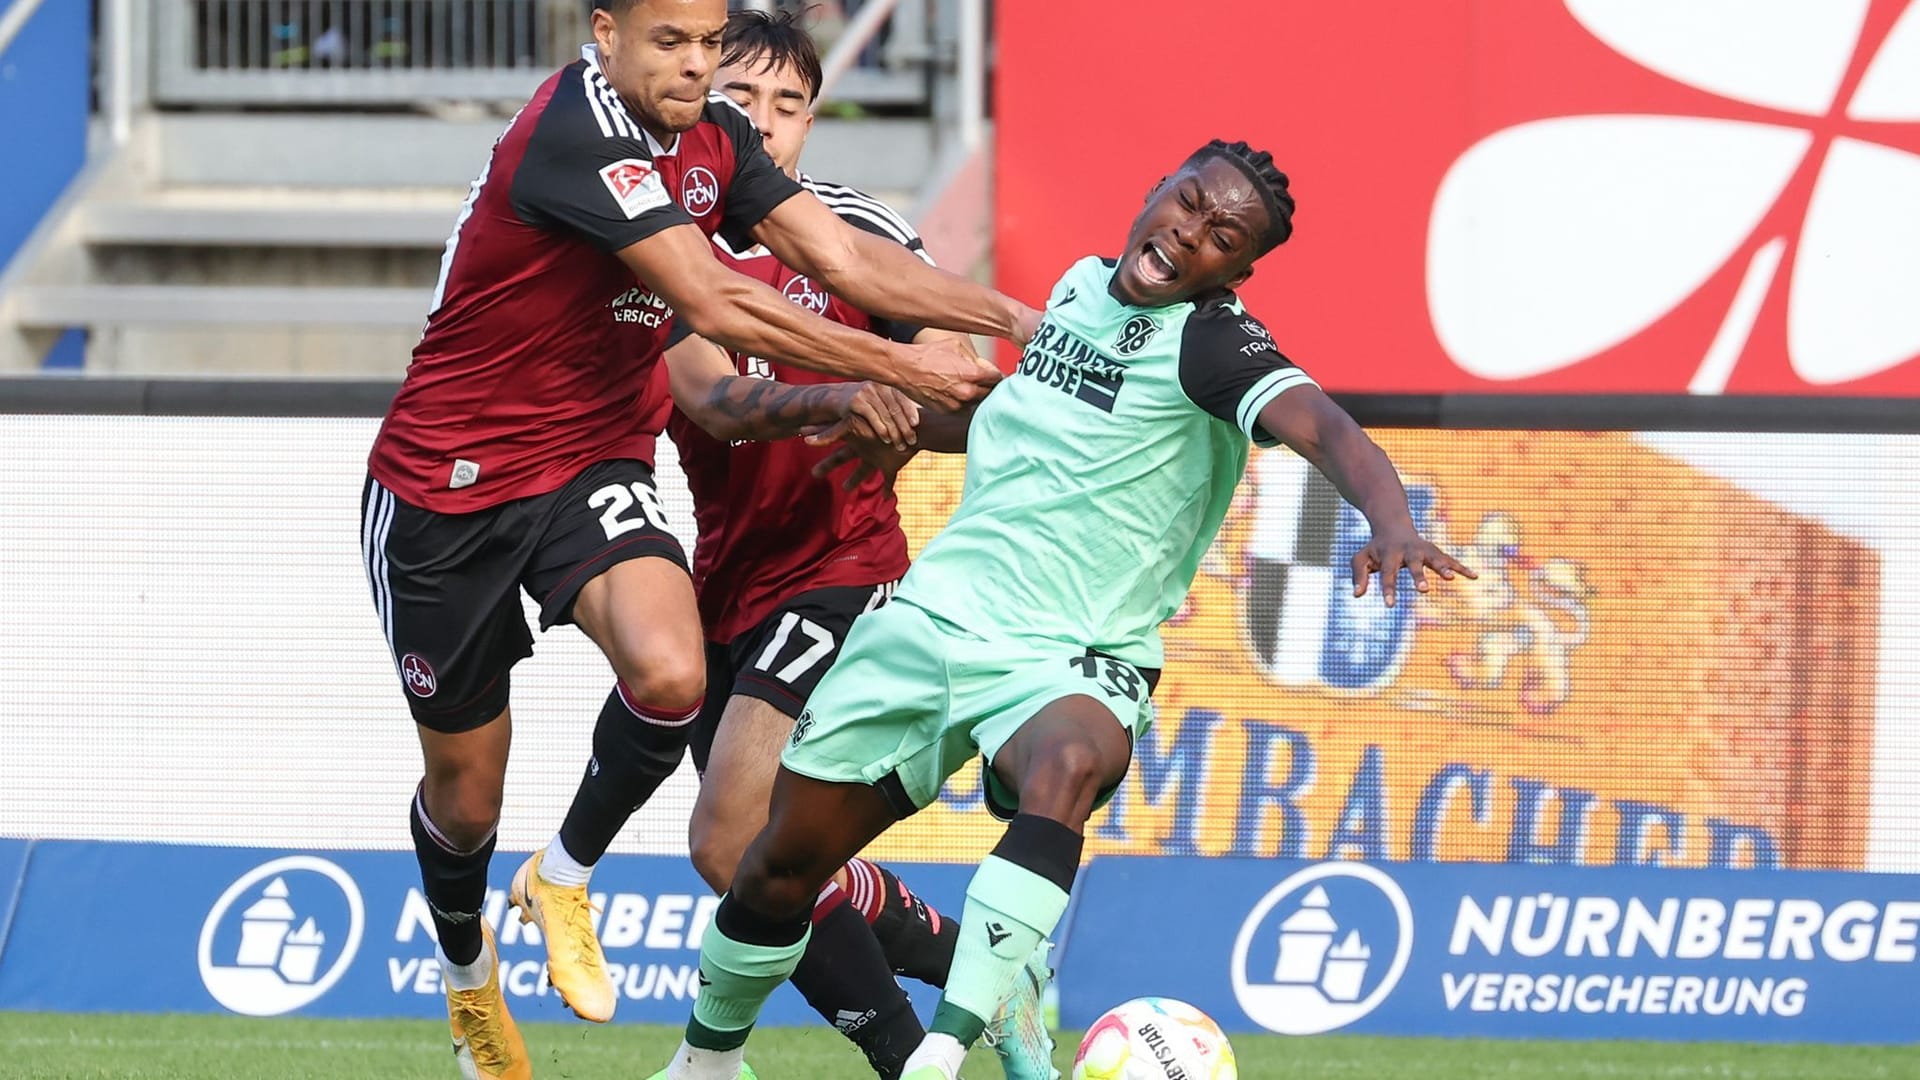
<point x="1656" y="667"/>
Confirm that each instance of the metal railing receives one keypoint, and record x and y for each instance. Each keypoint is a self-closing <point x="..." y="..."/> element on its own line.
<point x="358" y="52"/>
<point x="320" y="53"/>
<point x="853" y="42"/>
<point x="13" y="19"/>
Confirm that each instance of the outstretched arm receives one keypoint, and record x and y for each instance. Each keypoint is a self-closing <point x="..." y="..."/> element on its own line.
<point x="1309" y="422"/>
<point x="946" y="433"/>
<point x="1230" y="368"/>
<point x="730" y="406"/>
<point x="883" y="278"/>
<point x="750" y="317"/>
<point x="606" y="192"/>
<point x="942" y="433"/>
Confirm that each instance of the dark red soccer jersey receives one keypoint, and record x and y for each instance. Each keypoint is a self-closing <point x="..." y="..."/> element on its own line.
<point x="539" y="355"/>
<point x="768" y="529"/>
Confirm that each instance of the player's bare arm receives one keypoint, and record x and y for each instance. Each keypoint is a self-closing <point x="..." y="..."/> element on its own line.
<point x="748" y="316"/>
<point x="942" y="433"/>
<point x="882" y="278"/>
<point x="1309" y="422"/>
<point x="945" y="433"/>
<point x="939" y="432"/>
<point x="740" y="313"/>
<point x="730" y="406"/>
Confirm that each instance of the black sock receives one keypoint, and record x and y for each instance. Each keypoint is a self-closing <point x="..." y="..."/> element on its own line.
<point x="635" y="748"/>
<point x="918" y="939"/>
<point x="455" y="883"/>
<point x="844" y="976"/>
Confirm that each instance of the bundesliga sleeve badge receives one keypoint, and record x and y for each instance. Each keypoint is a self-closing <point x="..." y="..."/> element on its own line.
<point x="634" y="186"/>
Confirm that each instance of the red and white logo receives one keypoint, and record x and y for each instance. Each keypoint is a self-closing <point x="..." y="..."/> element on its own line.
<point x="634" y="186"/>
<point x="418" y="676"/>
<point x="803" y="292"/>
<point x="1576" y="196"/>
<point x="1557" y="240"/>
<point x="699" y="191"/>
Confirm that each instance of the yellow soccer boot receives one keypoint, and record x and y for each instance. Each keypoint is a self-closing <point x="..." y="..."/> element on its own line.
<point x="575" y="965"/>
<point x="486" y="1041"/>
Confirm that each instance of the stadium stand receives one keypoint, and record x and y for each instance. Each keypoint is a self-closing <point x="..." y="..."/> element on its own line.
<point x="272" y="182"/>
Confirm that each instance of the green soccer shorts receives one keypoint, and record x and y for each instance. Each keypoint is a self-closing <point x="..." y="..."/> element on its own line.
<point x="912" y="698"/>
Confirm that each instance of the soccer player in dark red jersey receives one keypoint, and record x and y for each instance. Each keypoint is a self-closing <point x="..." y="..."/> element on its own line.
<point x="783" y="566"/>
<point x="517" y="454"/>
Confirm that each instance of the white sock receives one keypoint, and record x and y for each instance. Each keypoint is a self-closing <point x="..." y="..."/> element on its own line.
<point x="693" y="1063"/>
<point x="557" y="867"/>
<point x="942" y="1051"/>
<point x="466" y="976"/>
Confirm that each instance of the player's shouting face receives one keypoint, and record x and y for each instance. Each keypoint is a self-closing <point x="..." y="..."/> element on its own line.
<point x="660" y="55"/>
<point x="1200" y="231"/>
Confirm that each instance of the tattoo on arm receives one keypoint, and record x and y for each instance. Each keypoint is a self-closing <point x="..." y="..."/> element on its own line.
<point x="751" y="408"/>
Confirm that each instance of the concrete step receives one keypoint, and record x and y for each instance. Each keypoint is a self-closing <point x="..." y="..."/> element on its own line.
<point x="327" y="218"/>
<point x="212" y="217"/>
<point x="60" y="306"/>
<point x="323" y="150"/>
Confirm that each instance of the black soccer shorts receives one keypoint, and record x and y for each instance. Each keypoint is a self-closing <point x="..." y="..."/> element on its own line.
<point x="783" y="657"/>
<point x="446" y="586"/>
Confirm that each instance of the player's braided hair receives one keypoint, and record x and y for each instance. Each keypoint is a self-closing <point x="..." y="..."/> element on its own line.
<point x="1268" y="181"/>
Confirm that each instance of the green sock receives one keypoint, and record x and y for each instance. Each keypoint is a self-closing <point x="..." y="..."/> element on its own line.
<point x="735" y="980"/>
<point x="1009" y="910"/>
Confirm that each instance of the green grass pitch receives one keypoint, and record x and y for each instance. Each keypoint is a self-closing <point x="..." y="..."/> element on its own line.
<point x="40" y="1046"/>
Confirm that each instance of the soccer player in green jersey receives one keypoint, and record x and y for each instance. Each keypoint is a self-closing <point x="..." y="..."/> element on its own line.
<point x="1028" y="631"/>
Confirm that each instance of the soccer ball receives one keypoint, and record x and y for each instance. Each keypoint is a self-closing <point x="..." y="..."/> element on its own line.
<point x="1155" y="1038"/>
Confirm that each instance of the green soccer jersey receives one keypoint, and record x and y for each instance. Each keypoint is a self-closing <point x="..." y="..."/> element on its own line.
<point x="1099" y="473"/>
